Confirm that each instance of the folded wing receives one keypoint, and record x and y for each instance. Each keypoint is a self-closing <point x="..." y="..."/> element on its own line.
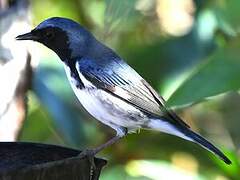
<point x="119" y="79"/>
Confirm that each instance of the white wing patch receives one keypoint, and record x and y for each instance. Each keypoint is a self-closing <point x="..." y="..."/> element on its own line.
<point x="114" y="112"/>
<point x="105" y="107"/>
<point x="122" y="93"/>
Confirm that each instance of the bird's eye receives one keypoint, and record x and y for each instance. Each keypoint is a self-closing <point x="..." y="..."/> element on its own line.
<point x="49" y="34"/>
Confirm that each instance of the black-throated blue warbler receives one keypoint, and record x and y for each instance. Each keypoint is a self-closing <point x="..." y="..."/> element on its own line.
<point x="107" y="87"/>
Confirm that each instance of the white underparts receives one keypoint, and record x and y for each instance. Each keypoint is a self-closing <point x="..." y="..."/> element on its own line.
<point x="166" y="127"/>
<point x="115" y="112"/>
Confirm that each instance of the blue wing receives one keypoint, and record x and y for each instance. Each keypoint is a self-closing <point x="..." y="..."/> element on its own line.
<point x="119" y="79"/>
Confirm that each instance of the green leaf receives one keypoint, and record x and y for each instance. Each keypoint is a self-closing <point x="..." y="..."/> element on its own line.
<point x="63" y="114"/>
<point x="219" y="73"/>
<point x="61" y="9"/>
<point x="119" y="13"/>
<point x="38" y="126"/>
<point x="227" y="12"/>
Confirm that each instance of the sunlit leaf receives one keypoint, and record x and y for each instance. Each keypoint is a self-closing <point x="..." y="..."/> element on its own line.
<point x="117" y="172"/>
<point x="55" y="8"/>
<point x="159" y="170"/>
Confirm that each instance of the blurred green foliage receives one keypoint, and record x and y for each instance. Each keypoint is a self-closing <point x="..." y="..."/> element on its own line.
<point x="187" y="69"/>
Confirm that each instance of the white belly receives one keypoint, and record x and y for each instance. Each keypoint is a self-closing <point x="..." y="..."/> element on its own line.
<point x="107" y="108"/>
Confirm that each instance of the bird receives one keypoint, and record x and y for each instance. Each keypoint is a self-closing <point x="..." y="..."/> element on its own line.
<point x="108" y="88"/>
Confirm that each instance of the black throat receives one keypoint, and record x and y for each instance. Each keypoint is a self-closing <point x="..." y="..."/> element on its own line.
<point x="74" y="73"/>
<point x="59" y="43"/>
<point x="61" y="47"/>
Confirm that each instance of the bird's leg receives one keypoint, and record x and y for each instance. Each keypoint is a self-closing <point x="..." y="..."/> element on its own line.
<point x="108" y="143"/>
<point x="90" y="153"/>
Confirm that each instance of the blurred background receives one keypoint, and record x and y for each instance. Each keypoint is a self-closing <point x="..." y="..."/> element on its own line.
<point x="188" y="50"/>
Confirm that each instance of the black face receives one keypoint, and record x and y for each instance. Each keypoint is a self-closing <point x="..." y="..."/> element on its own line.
<point x="52" y="37"/>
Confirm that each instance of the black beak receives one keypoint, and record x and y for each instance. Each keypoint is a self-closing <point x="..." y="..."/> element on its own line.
<point x="27" y="36"/>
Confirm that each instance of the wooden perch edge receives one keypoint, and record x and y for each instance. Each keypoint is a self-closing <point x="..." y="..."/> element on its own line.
<point x="30" y="161"/>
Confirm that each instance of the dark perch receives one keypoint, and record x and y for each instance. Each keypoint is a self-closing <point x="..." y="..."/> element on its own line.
<point x="30" y="161"/>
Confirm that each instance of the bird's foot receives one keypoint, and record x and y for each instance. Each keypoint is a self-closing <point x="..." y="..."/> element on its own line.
<point x="89" y="154"/>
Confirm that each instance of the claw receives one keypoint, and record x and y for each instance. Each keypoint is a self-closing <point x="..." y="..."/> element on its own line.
<point x="90" y="153"/>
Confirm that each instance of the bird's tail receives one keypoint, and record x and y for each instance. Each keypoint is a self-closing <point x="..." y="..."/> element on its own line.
<point x="188" y="134"/>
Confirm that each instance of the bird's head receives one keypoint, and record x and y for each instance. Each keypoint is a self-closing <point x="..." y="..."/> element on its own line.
<point x="64" y="36"/>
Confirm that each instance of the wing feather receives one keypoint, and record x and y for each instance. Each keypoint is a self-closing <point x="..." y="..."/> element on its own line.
<point x="130" y="88"/>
